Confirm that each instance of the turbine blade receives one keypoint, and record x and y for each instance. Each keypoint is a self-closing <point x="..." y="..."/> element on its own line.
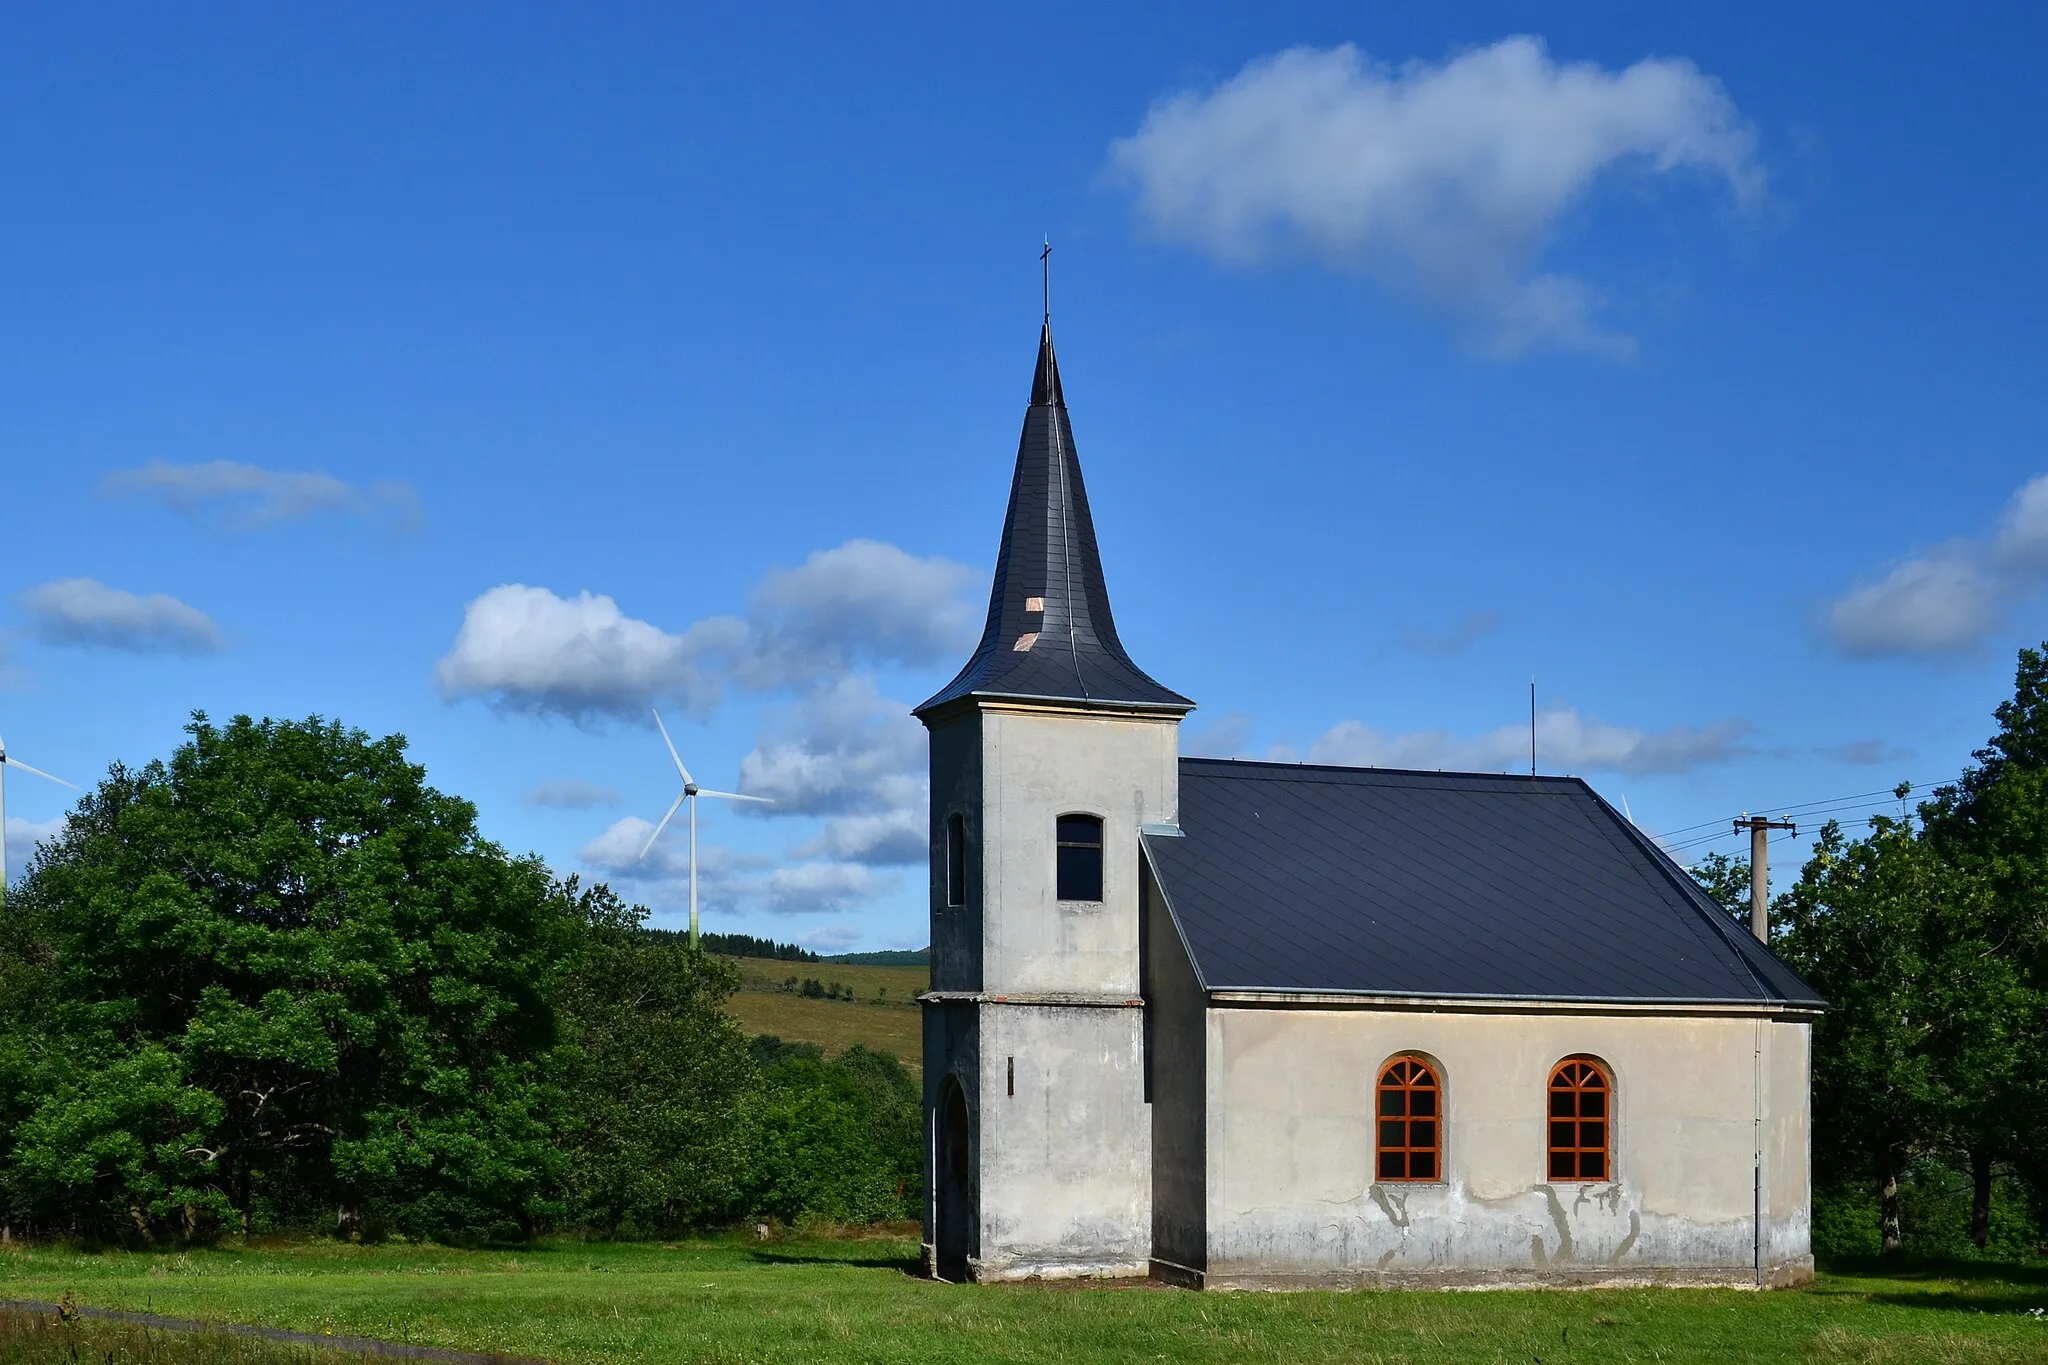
<point x="688" y="781"/>
<point x="662" y="826"/>
<point x="735" y="796"/>
<point x="40" y="773"/>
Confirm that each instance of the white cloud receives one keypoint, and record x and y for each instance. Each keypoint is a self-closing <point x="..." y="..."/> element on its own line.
<point x="841" y="750"/>
<point x="569" y="794"/>
<point x="1937" y="604"/>
<point x="1949" y="599"/>
<point x="822" y="888"/>
<point x="1565" y="742"/>
<point x="233" y="496"/>
<point x="85" y="611"/>
<point x="832" y="938"/>
<point x="862" y="601"/>
<point x="2022" y="540"/>
<point x="1444" y="181"/>
<point x="892" y="837"/>
<point x="22" y="838"/>
<point x="525" y="649"/>
<point x="727" y="882"/>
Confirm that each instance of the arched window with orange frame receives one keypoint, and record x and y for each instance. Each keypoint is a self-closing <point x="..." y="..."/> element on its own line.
<point x="1409" y="1107"/>
<point x="1581" y="1121"/>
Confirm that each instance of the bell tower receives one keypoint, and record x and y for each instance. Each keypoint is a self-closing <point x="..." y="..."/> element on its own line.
<point x="1049" y="752"/>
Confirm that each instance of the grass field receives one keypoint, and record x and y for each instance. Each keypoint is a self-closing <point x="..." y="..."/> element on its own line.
<point x="883" y="1013"/>
<point x="854" y="1301"/>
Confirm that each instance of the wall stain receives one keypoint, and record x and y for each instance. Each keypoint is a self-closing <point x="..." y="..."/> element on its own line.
<point x="1628" y="1243"/>
<point x="1395" y="1208"/>
<point x="1564" y="1226"/>
<point x="1536" y="1250"/>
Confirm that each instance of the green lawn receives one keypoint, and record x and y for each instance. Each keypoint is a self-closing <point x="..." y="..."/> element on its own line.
<point x="854" y="1301"/>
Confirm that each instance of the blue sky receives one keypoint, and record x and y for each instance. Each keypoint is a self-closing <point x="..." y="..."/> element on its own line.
<point x="488" y="374"/>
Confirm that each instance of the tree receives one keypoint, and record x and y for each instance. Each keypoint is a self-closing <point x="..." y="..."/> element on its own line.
<point x="836" y="1140"/>
<point x="1994" y="822"/>
<point x="1854" y="930"/>
<point x="1726" y="879"/>
<point x="654" y="1076"/>
<point x="287" y="972"/>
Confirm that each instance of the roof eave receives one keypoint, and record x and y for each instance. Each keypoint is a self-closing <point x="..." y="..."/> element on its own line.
<point x="968" y="701"/>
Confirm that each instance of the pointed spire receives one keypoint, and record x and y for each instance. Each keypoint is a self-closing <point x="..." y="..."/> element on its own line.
<point x="1045" y="384"/>
<point x="1050" y="635"/>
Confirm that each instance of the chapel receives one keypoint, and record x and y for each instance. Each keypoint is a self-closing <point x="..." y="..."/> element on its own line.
<point x="1246" y="1024"/>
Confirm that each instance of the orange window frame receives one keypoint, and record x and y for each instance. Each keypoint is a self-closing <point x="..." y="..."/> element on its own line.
<point x="1579" y="1122"/>
<point x="1408" y="1130"/>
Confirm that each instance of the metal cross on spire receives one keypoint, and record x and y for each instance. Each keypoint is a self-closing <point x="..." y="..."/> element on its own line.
<point x="1045" y="278"/>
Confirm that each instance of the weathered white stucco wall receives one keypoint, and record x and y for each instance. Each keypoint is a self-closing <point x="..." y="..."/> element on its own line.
<point x="1036" y="766"/>
<point x="1290" y="1186"/>
<point x="1063" y="1164"/>
<point x="1066" y="1162"/>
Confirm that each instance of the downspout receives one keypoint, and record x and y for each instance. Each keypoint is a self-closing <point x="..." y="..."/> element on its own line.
<point x="1757" y="1141"/>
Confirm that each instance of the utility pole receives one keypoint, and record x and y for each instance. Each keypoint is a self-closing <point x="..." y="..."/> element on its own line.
<point x="1760" y="827"/>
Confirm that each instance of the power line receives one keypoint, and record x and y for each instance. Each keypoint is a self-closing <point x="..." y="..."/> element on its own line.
<point x="1889" y="794"/>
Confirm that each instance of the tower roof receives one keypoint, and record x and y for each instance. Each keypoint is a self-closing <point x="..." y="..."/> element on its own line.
<point x="1050" y="635"/>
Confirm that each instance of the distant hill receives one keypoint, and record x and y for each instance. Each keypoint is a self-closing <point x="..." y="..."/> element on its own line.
<point x="834" y="1005"/>
<point x="898" y="957"/>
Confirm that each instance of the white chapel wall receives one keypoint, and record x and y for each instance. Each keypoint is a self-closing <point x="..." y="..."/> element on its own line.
<point x="1036" y="766"/>
<point x="1290" y="1182"/>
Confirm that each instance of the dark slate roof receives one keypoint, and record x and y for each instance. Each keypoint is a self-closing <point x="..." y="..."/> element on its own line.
<point x="1379" y="881"/>
<point x="1068" y="651"/>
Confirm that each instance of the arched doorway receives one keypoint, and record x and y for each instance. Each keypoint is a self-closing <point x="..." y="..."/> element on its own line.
<point x="954" y="1233"/>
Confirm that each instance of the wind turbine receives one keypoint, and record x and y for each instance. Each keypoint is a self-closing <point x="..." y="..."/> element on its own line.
<point x="691" y="791"/>
<point x="7" y="761"/>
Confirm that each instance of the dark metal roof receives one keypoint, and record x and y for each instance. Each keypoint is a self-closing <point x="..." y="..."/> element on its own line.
<point x="1378" y="881"/>
<point x="1067" y="649"/>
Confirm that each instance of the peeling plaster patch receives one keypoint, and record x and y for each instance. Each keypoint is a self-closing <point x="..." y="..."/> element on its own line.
<point x="1610" y="1198"/>
<point x="1398" y="1216"/>
<point x="1536" y="1250"/>
<point x="1628" y="1243"/>
<point x="1387" y="1257"/>
<point x="1564" y="1227"/>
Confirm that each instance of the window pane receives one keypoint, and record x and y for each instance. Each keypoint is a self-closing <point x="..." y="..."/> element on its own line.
<point x="1422" y="1133"/>
<point x="1391" y="1166"/>
<point x="1391" y="1133"/>
<point x="1593" y="1135"/>
<point x="1080" y="829"/>
<point x="1391" y="1102"/>
<point x="1592" y="1166"/>
<point x="1080" y="873"/>
<point x="1561" y="1134"/>
<point x="1561" y="1103"/>
<point x="1422" y="1165"/>
<point x="1593" y="1104"/>
<point x="1422" y="1102"/>
<point x="1560" y="1165"/>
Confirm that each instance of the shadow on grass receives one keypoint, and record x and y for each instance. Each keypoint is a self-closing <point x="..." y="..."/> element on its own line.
<point x="1995" y="1287"/>
<point x="909" y="1265"/>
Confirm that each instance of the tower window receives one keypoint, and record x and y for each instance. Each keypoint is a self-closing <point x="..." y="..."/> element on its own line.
<point x="1410" y="1136"/>
<point x="1579" y="1121"/>
<point x="956" y="860"/>
<point x="1080" y="858"/>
